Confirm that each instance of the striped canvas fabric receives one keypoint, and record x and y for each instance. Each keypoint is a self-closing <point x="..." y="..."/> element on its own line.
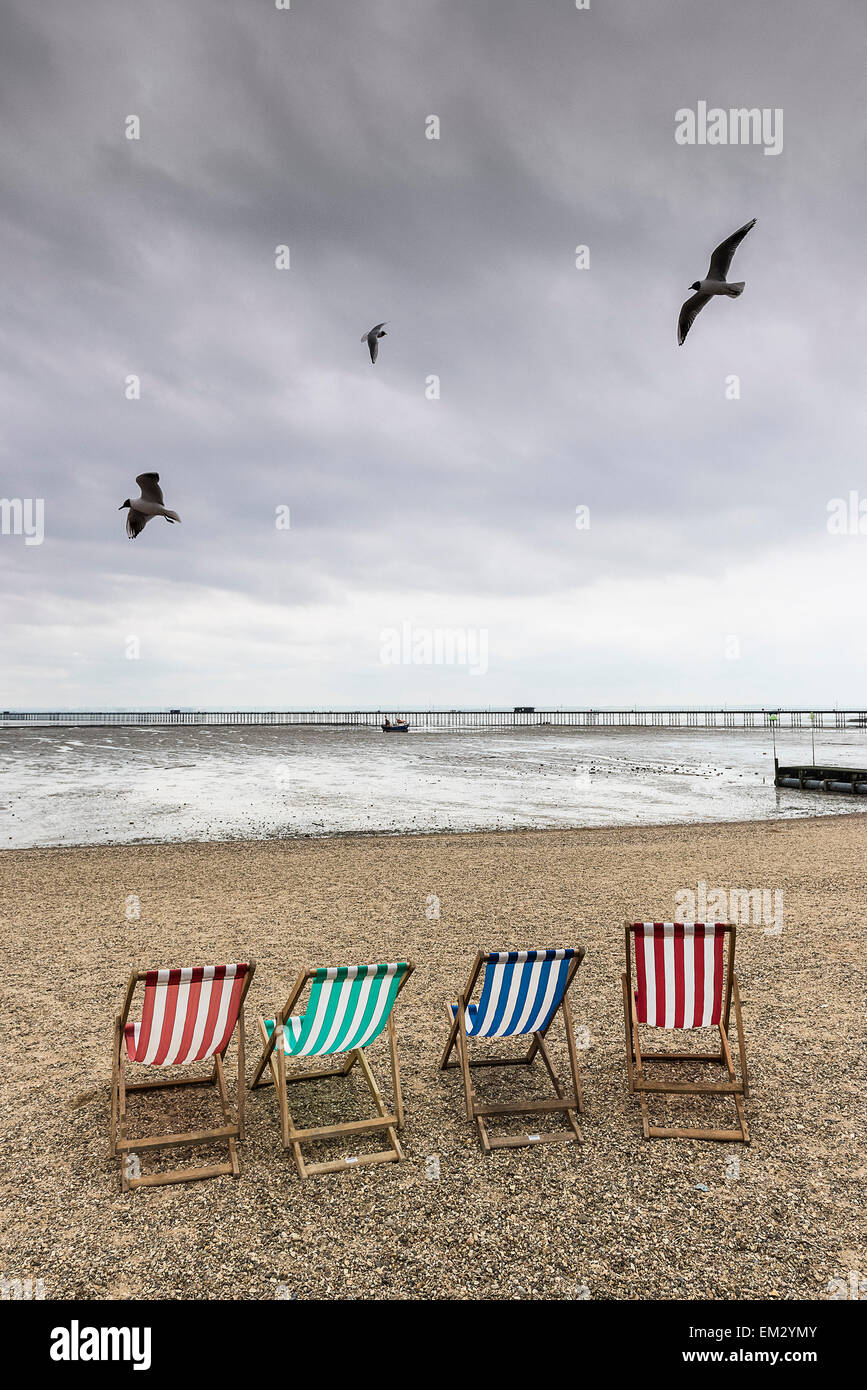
<point x="679" y="969"/>
<point x="520" y="992"/>
<point x="348" y="1007"/>
<point x="187" y="1015"/>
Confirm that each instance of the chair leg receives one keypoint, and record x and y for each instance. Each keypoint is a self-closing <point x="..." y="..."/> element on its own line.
<point x="573" y="1054"/>
<point x="561" y="1094"/>
<point x="224" y="1104"/>
<point x="121" y="1120"/>
<point x="627" y="1023"/>
<point x="739" y="1105"/>
<point x="740" y="1027"/>
<point x="463" y="1054"/>
<point x="379" y="1102"/>
<point x="242" y="1078"/>
<point x="278" y="1067"/>
<point x="453" y="1034"/>
<point x="276" y="1063"/>
<point x="638" y="1074"/>
<point x="112" y="1131"/>
<point x="395" y="1071"/>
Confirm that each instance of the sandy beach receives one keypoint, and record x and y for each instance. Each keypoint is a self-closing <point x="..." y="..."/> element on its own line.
<point x="619" y="1218"/>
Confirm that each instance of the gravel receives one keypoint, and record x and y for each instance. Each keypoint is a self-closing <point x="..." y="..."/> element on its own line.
<point x="616" y="1218"/>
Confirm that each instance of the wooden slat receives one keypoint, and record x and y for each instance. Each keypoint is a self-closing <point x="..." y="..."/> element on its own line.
<point x="495" y="1062"/>
<point x="217" y="1170"/>
<point x="335" y="1131"/>
<point x="724" y="1135"/>
<point x="362" y="1161"/>
<point x="315" y="1075"/>
<point x="170" y="1081"/>
<point x="684" y="1057"/>
<point x="696" y="1088"/>
<point x="169" y="1141"/>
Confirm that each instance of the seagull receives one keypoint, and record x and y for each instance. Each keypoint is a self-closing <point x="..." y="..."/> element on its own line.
<point x="372" y="338"/>
<point x="715" y="282"/>
<point x="149" y="504"/>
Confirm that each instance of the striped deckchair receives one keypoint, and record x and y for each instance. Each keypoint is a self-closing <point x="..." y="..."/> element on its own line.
<point x="188" y="1016"/>
<point x="348" y="1008"/>
<point x="684" y="978"/>
<point x="521" y="992"/>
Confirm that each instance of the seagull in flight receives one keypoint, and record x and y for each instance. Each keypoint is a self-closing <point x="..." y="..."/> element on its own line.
<point x="141" y="509"/>
<point x="714" y="283"/>
<point x="372" y="339"/>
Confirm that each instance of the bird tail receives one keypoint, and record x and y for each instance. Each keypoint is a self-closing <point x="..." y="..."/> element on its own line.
<point x="734" y="288"/>
<point x="171" y="516"/>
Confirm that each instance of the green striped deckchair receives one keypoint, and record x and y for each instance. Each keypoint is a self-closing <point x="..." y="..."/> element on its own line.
<point x="348" y="1007"/>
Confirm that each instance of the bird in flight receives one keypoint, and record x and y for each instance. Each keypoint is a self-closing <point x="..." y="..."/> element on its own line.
<point x="372" y="339"/>
<point x="141" y="509"/>
<point x="714" y="283"/>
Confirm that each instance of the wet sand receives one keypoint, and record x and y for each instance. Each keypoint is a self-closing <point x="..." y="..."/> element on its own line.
<point x="66" y="787"/>
<point x="618" y="1218"/>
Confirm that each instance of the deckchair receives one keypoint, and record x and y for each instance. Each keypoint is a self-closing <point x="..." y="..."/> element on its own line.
<point x="187" y="1016"/>
<point x="521" y="992"/>
<point x="348" y="1008"/>
<point x="684" y="978"/>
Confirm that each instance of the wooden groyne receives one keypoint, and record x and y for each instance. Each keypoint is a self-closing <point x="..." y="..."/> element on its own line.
<point x="523" y="717"/>
<point x="814" y="777"/>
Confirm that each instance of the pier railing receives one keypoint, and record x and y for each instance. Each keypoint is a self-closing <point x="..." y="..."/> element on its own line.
<point x="456" y="719"/>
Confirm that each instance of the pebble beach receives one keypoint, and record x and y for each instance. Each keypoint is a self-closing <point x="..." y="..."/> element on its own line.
<point x="618" y="1217"/>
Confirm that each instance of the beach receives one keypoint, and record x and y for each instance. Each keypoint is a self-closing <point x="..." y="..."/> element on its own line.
<point x="618" y="1217"/>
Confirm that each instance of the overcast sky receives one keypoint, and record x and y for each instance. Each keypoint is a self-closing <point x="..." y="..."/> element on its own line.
<point x="707" y="573"/>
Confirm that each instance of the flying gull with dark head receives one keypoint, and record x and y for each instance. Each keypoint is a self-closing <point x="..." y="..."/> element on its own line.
<point x="372" y="339"/>
<point x="714" y="283"/>
<point x="141" y="509"/>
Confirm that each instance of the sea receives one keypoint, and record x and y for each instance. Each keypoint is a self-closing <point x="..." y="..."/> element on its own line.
<point x="142" y="785"/>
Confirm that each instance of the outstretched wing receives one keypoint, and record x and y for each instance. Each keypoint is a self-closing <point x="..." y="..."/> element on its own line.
<point x="722" y="256"/>
<point x="150" y="487"/>
<point x="688" y="314"/>
<point x="377" y="326"/>
<point x="135" y="521"/>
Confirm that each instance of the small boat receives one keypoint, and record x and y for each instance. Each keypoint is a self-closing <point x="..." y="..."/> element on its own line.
<point x="400" y="726"/>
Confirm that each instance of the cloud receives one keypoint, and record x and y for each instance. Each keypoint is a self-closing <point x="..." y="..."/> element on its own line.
<point x="558" y="386"/>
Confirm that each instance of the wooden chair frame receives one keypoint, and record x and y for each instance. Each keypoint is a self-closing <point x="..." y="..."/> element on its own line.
<point x="636" y="1057"/>
<point x="232" y="1130"/>
<point x="274" y="1058"/>
<point x="562" y="1102"/>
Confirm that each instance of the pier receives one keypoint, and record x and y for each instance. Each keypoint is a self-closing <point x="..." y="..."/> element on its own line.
<point x="522" y="718"/>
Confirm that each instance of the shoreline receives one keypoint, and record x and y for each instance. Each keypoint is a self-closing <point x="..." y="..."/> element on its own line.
<point x="620" y="1216"/>
<point x="354" y="835"/>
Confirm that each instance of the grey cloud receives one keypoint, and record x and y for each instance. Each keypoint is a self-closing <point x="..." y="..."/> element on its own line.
<point x="559" y="386"/>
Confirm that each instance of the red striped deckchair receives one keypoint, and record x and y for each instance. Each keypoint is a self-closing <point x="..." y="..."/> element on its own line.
<point x="684" y="978"/>
<point x="347" y="1009"/>
<point x="521" y="993"/>
<point x="188" y="1016"/>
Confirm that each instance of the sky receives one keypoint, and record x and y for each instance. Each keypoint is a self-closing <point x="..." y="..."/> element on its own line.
<point x="533" y="478"/>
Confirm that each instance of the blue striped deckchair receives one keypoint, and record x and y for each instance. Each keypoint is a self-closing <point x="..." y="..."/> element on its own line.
<point x="348" y="1007"/>
<point x="521" y="992"/>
